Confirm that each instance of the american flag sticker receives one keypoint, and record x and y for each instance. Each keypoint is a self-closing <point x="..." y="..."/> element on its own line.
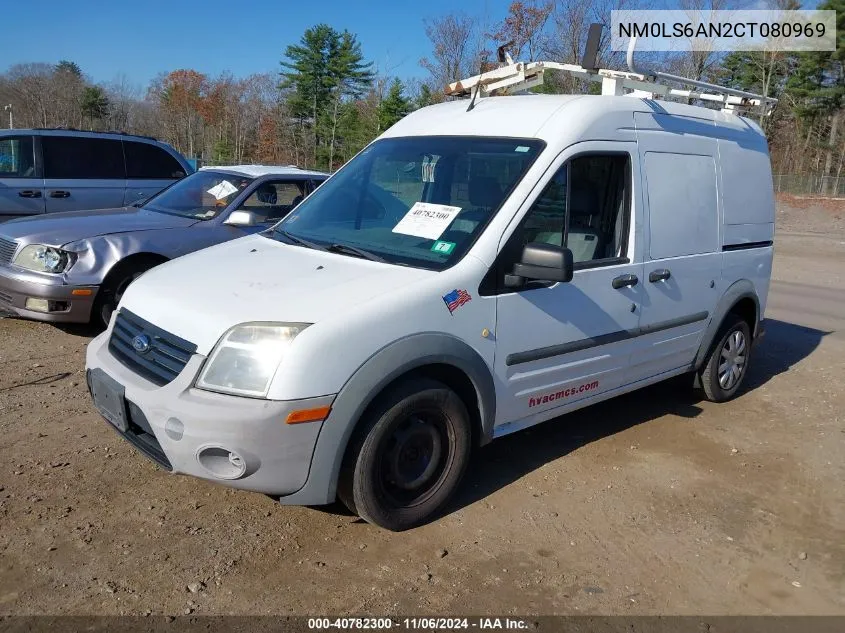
<point x="456" y="299"/>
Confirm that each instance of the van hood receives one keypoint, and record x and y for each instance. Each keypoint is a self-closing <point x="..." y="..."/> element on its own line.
<point x="58" y="229"/>
<point x="201" y="295"/>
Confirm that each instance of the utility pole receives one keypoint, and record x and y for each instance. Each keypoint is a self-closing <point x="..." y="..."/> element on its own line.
<point x="8" y="109"/>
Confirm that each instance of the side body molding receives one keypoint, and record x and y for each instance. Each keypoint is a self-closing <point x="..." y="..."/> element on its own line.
<point x="741" y="289"/>
<point x="382" y="368"/>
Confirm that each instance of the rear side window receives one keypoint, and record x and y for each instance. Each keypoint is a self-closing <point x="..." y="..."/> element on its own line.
<point x="683" y="215"/>
<point x="145" y="161"/>
<point x="16" y="157"/>
<point x="84" y="158"/>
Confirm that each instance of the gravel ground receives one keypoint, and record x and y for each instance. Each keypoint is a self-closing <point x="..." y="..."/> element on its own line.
<point x="654" y="503"/>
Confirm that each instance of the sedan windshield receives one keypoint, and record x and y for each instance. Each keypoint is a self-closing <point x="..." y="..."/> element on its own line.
<point x="418" y="201"/>
<point x="203" y="195"/>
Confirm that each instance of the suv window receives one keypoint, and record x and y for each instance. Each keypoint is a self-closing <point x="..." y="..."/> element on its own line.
<point x="82" y="157"/>
<point x="584" y="208"/>
<point x="271" y="201"/>
<point x="16" y="157"/>
<point x="146" y="161"/>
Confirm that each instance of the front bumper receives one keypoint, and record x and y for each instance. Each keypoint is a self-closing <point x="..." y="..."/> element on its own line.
<point x="175" y="424"/>
<point x="16" y="287"/>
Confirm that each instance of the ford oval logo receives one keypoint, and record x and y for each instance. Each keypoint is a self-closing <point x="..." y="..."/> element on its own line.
<point x="141" y="343"/>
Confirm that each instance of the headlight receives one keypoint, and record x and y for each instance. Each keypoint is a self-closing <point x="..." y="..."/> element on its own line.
<point x="43" y="259"/>
<point x="245" y="359"/>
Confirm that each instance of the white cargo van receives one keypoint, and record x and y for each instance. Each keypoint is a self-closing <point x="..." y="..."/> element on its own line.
<point x="482" y="267"/>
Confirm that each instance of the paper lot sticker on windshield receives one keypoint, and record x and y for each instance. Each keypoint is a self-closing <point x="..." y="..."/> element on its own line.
<point x="223" y="190"/>
<point x="427" y="220"/>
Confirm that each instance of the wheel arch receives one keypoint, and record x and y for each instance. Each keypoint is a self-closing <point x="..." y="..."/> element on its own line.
<point x="130" y="260"/>
<point x="435" y="355"/>
<point x="740" y="299"/>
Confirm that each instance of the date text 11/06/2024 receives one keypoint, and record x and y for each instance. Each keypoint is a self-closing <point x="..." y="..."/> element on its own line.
<point x="418" y="624"/>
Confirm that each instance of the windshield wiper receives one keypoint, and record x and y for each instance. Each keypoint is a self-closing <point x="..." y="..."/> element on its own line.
<point x="358" y="252"/>
<point x="300" y="241"/>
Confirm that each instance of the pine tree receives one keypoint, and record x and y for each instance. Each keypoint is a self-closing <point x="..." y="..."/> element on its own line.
<point x="95" y="104"/>
<point x="394" y="106"/>
<point x="325" y="70"/>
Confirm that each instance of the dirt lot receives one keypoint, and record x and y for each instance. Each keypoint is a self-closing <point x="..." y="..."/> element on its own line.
<point x="653" y="503"/>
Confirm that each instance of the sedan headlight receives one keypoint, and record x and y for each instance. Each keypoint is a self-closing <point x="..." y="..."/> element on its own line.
<point x="246" y="358"/>
<point x="43" y="259"/>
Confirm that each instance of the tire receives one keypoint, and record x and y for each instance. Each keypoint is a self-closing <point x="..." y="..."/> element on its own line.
<point x="408" y="456"/>
<point x="115" y="285"/>
<point x="727" y="363"/>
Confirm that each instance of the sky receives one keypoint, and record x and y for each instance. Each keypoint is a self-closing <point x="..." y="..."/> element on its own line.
<point x="141" y="38"/>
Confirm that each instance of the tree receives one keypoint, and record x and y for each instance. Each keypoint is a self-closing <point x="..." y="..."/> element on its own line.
<point x="424" y="97"/>
<point x="324" y="70"/>
<point x="180" y="95"/>
<point x="457" y="50"/>
<point x="95" y="104"/>
<point x="524" y="27"/>
<point x="394" y="106"/>
<point x="570" y="24"/>
<point x="818" y="87"/>
<point x="349" y="77"/>
<point x="68" y="67"/>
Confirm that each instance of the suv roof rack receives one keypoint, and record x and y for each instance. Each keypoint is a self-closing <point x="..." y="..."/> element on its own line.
<point x="637" y="82"/>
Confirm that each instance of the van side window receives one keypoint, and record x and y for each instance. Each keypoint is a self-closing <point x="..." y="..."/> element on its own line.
<point x="16" y="157"/>
<point x="145" y="161"/>
<point x="81" y="157"/>
<point x="584" y="207"/>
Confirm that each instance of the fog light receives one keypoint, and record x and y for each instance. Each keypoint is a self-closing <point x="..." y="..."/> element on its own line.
<point x="222" y="463"/>
<point x="45" y="305"/>
<point x="37" y="305"/>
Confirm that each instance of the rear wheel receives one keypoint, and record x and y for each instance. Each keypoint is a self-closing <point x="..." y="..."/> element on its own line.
<point x="408" y="457"/>
<point x="727" y="365"/>
<point x="116" y="283"/>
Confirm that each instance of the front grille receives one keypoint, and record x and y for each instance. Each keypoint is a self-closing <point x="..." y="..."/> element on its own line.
<point x="7" y="250"/>
<point x="5" y="298"/>
<point x="166" y="356"/>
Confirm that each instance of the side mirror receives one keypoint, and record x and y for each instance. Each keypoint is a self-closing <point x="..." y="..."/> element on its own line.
<point x="541" y="262"/>
<point x="241" y="218"/>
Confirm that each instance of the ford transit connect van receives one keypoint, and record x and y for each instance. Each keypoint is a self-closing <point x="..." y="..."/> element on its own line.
<point x="480" y="268"/>
<point x="42" y="171"/>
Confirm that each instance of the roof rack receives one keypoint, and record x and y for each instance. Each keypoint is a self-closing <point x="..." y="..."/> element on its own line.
<point x="637" y="82"/>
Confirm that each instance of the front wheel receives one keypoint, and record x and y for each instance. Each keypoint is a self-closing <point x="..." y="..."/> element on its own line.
<point x="409" y="457"/>
<point x="111" y="292"/>
<point x="727" y="364"/>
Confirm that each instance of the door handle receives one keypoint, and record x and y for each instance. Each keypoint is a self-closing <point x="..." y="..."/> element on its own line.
<point x="661" y="274"/>
<point x="625" y="280"/>
<point x="29" y="193"/>
<point x="60" y="194"/>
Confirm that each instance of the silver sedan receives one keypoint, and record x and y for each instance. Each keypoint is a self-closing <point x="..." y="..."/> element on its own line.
<point x="73" y="267"/>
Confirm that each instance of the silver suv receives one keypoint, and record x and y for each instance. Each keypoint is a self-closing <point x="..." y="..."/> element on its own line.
<point x="74" y="267"/>
<point x="43" y="171"/>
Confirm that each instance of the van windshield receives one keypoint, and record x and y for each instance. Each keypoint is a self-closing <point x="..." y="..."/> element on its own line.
<point x="203" y="195"/>
<point x="417" y="201"/>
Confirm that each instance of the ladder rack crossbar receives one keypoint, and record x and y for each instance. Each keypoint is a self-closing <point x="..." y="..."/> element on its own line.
<point x="520" y="76"/>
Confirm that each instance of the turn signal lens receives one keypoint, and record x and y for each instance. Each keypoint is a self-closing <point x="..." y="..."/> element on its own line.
<point x="308" y="415"/>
